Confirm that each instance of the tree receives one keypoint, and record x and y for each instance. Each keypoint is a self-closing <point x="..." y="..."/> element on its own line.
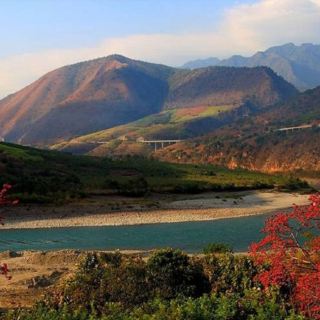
<point x="289" y="256"/>
<point x="172" y="273"/>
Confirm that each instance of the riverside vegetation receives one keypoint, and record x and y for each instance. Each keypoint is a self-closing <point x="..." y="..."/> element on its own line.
<point x="168" y="284"/>
<point x="278" y="279"/>
<point x="54" y="177"/>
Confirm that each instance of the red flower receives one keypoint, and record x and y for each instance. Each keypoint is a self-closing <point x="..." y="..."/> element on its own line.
<point x="291" y="252"/>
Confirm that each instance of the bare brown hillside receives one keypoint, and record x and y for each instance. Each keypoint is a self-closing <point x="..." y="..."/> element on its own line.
<point x="267" y="153"/>
<point x="102" y="93"/>
<point x="82" y="98"/>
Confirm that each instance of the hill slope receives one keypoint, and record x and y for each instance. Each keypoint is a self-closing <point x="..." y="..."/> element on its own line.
<point x="102" y="93"/>
<point x="198" y="102"/>
<point x="225" y="86"/>
<point x="256" y="143"/>
<point x="180" y="123"/>
<point x="48" y="176"/>
<point x="300" y="65"/>
<point x="84" y="97"/>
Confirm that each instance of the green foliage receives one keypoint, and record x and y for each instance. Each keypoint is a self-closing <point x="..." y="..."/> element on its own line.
<point x="133" y="187"/>
<point x="169" y="286"/>
<point x="295" y="184"/>
<point x="254" y="306"/>
<point x="48" y="176"/>
<point x="230" y="273"/>
<point x="131" y="281"/>
<point x="217" y="248"/>
<point x="171" y="273"/>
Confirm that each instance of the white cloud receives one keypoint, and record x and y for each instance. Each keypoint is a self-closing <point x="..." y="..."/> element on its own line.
<point x="244" y="30"/>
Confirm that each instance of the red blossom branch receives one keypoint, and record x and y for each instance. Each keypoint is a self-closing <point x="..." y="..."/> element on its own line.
<point x="291" y="251"/>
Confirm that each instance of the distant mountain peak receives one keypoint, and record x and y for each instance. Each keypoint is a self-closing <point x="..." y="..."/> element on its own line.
<point x="298" y="64"/>
<point x="201" y="63"/>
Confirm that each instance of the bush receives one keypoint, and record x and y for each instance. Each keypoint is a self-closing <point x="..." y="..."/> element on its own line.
<point x="217" y="248"/>
<point x="230" y="274"/>
<point x="133" y="187"/>
<point x="295" y="184"/>
<point x="172" y="273"/>
<point x="170" y="286"/>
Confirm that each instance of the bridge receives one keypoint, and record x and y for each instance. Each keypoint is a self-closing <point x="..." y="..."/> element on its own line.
<point x="298" y="128"/>
<point x="159" y="144"/>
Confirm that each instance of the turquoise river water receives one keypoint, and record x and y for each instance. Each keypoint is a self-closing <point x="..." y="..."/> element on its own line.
<point x="188" y="236"/>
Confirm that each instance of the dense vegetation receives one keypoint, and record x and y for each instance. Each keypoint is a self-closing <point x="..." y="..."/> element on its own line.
<point x="169" y="285"/>
<point x="48" y="176"/>
<point x="279" y="279"/>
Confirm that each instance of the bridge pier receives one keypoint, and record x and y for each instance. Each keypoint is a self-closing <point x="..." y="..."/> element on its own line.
<point x="158" y="144"/>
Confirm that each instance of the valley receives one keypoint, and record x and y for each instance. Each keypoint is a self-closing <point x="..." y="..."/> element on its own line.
<point x="160" y="160"/>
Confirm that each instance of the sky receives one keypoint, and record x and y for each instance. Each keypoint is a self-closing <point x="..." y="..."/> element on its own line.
<point x="38" y="36"/>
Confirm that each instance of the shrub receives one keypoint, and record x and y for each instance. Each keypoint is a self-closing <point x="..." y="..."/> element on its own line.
<point x="217" y="248"/>
<point x="230" y="274"/>
<point x="172" y="273"/>
<point x="133" y="187"/>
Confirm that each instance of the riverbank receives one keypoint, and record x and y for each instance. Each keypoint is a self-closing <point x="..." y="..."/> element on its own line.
<point x="202" y="207"/>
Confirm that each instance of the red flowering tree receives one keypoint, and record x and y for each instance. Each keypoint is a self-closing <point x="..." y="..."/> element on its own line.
<point x="290" y="256"/>
<point x="5" y="201"/>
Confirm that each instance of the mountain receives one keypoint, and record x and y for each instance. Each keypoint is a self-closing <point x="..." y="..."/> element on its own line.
<point x="201" y="63"/>
<point x="198" y="102"/>
<point x="299" y="65"/>
<point x="257" y="144"/>
<point x="82" y="98"/>
<point x="180" y="123"/>
<point x="95" y="95"/>
<point x="226" y="86"/>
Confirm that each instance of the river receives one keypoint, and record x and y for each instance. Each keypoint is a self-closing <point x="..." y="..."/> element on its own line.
<point x="188" y="236"/>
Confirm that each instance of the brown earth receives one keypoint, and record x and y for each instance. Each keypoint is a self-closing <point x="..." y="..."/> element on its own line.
<point x="34" y="274"/>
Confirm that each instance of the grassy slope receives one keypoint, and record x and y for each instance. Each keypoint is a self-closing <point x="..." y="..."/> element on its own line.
<point x="51" y="176"/>
<point x="179" y="123"/>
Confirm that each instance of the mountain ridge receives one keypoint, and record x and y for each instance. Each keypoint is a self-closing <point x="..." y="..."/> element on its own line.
<point x="299" y="65"/>
<point x="102" y="93"/>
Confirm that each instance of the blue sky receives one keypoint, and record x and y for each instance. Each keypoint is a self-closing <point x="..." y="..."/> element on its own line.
<point x="38" y="36"/>
<point x="32" y="25"/>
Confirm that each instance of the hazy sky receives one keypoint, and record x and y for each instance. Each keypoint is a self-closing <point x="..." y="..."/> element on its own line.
<point x="40" y="35"/>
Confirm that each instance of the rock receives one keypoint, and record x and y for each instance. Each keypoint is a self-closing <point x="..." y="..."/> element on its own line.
<point x="10" y="254"/>
<point x="43" y="281"/>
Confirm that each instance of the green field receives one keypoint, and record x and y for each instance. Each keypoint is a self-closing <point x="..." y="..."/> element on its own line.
<point x="51" y="176"/>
